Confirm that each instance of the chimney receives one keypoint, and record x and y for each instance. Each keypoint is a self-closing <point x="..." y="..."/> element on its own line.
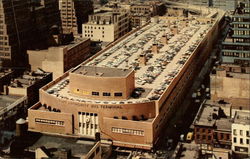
<point x="155" y="48"/>
<point x="164" y="39"/>
<point x="175" y="30"/>
<point x="142" y="59"/>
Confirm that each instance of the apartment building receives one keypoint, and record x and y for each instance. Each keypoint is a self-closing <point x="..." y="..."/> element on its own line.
<point x="73" y="14"/>
<point x="106" y="26"/>
<point x="61" y="57"/>
<point x="241" y="134"/>
<point x="212" y="126"/>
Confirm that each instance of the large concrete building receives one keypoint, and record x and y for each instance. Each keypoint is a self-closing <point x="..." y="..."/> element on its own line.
<point x="106" y="26"/>
<point x="231" y="84"/>
<point x="129" y="90"/>
<point x="73" y="14"/>
<point x="62" y="57"/>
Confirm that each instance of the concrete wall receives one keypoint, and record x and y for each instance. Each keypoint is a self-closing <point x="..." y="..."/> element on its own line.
<point x="230" y="89"/>
<point x="124" y="85"/>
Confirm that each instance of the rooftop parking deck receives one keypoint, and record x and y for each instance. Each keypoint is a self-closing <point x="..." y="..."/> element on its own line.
<point x="160" y="69"/>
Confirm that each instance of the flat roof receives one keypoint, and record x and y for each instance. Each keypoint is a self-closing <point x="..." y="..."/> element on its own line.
<point x="101" y="71"/>
<point x="161" y="68"/>
<point x="205" y="115"/>
<point x="77" y="147"/>
<point x="29" y="78"/>
<point x="6" y="100"/>
<point x="224" y="124"/>
<point x="242" y="118"/>
<point x="5" y="73"/>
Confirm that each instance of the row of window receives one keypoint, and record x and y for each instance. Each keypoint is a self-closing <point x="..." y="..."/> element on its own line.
<point x="241" y="132"/>
<point x="50" y="122"/>
<point x="106" y="94"/>
<point x="90" y="27"/>
<point x="203" y="137"/>
<point x="4" y="54"/>
<point x="127" y="131"/>
<point x="241" y="141"/>
<point x="87" y="126"/>
<point x="235" y="54"/>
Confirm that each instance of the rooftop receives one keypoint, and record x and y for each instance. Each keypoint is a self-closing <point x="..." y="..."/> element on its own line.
<point x="28" y="78"/>
<point x="242" y="118"/>
<point x="161" y="68"/>
<point x="101" y="71"/>
<point x="7" y="102"/>
<point x="5" y="72"/>
<point x="78" y="147"/>
<point x="224" y="124"/>
<point x="207" y="115"/>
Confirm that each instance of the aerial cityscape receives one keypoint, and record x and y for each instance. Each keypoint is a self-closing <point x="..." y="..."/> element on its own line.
<point x="124" y="79"/>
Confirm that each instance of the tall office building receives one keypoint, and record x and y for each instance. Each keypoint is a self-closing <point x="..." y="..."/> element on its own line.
<point x="25" y="24"/>
<point x="74" y="13"/>
<point x="236" y="47"/>
<point x="14" y="30"/>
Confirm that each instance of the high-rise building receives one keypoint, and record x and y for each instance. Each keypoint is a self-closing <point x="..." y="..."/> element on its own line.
<point x="15" y="27"/>
<point x="46" y="23"/>
<point x="26" y="24"/>
<point x="236" y="47"/>
<point x="74" y="13"/>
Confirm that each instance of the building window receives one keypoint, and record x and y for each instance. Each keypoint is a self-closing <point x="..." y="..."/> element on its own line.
<point x="247" y="141"/>
<point x="95" y="93"/>
<point x="106" y="94"/>
<point x="118" y="94"/>
<point x="241" y="132"/>
<point x="247" y="133"/>
<point x="49" y="122"/>
<point x="234" y="132"/>
<point x="235" y="139"/>
<point x="203" y="137"/>
<point x="127" y="131"/>
<point x="241" y="141"/>
<point x="209" y="137"/>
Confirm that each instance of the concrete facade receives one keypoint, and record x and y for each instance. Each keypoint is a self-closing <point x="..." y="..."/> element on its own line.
<point x="62" y="58"/>
<point x="221" y="86"/>
<point x="241" y="134"/>
<point x="106" y="26"/>
<point x="73" y="14"/>
<point x="132" y="121"/>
